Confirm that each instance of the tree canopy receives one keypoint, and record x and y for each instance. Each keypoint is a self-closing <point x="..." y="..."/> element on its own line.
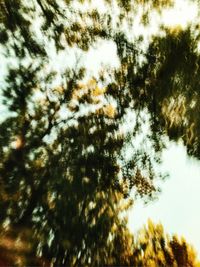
<point x="155" y="248"/>
<point x="65" y="173"/>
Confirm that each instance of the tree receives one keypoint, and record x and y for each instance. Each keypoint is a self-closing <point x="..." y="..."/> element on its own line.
<point x="178" y="104"/>
<point x="155" y="248"/>
<point x="64" y="169"/>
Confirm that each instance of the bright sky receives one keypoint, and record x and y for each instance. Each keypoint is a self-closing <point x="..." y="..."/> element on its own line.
<point x="177" y="207"/>
<point x="181" y="14"/>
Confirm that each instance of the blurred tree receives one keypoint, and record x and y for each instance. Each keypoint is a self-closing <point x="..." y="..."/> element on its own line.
<point x="168" y="84"/>
<point x="178" y="103"/>
<point x="65" y="174"/>
<point x="155" y="248"/>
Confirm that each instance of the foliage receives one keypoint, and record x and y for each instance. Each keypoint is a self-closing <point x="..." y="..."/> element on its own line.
<point x="177" y="104"/>
<point x="155" y="248"/>
<point x="65" y="174"/>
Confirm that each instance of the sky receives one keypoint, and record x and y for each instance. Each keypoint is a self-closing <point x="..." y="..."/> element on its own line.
<point x="182" y="13"/>
<point x="177" y="207"/>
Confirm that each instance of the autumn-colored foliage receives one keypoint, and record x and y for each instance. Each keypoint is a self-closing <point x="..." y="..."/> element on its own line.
<point x="77" y="149"/>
